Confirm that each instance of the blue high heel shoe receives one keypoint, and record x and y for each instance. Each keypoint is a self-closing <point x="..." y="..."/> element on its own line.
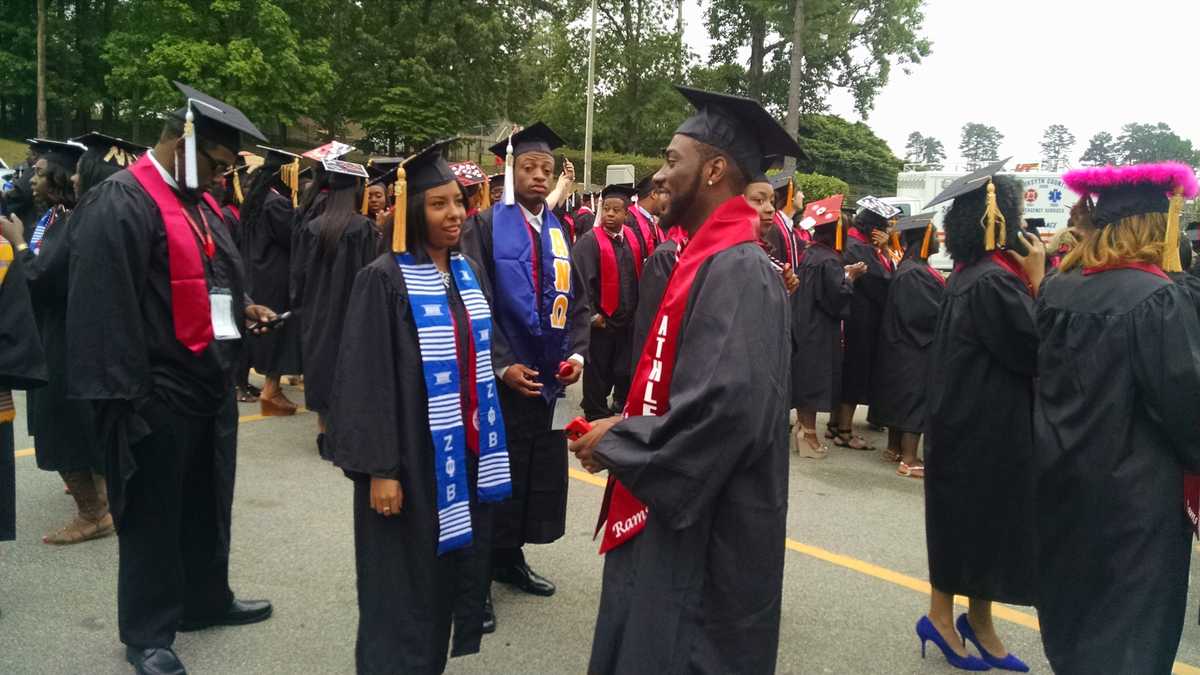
<point x="928" y="632"/>
<point x="1010" y="662"/>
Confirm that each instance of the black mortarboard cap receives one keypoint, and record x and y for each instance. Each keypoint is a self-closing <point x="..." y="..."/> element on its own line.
<point x="738" y="126"/>
<point x="217" y="120"/>
<point x="277" y="157"/>
<point x="919" y="221"/>
<point x="110" y="149"/>
<point x="66" y="153"/>
<point x="427" y="169"/>
<point x="780" y="181"/>
<point x="381" y="168"/>
<point x="645" y="186"/>
<point x="534" y="138"/>
<point x="625" y="192"/>
<point x="496" y="177"/>
<point x="969" y="183"/>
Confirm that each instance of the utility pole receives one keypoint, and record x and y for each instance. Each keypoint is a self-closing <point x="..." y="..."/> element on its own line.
<point x="42" y="130"/>
<point x="591" y="103"/>
<point x="793" y="112"/>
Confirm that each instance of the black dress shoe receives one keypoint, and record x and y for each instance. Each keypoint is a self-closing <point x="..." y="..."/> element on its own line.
<point x="525" y="579"/>
<point x="240" y="613"/>
<point x="489" y="615"/>
<point x="158" y="661"/>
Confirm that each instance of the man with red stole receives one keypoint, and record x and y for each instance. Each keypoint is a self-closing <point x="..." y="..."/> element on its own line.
<point x="697" y="499"/>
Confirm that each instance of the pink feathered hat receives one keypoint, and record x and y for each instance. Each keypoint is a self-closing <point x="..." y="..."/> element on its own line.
<point x="1124" y="191"/>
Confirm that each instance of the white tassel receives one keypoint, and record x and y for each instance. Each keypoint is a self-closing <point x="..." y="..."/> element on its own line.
<point x="510" y="194"/>
<point x="189" y="146"/>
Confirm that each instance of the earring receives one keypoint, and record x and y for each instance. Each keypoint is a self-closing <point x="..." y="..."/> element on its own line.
<point x="710" y="183"/>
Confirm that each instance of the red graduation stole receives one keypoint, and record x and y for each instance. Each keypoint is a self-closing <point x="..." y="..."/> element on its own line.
<point x="189" y="290"/>
<point x="610" y="276"/>
<point x="785" y="233"/>
<point x="650" y="232"/>
<point x="623" y="515"/>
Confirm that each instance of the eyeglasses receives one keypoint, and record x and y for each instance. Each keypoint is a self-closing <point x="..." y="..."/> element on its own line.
<point x="218" y="165"/>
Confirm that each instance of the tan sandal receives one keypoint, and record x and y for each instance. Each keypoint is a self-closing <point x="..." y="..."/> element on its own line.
<point x="805" y="449"/>
<point x="914" y="471"/>
<point x="80" y="530"/>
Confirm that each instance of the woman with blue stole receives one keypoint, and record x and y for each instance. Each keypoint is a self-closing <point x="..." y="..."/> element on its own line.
<point x="416" y="424"/>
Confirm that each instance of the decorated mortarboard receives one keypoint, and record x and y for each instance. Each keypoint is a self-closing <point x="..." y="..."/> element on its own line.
<point x="420" y="172"/>
<point x="345" y="168"/>
<point x="915" y="222"/>
<point x="536" y="137"/>
<point x="66" y="153"/>
<point x="1126" y="191"/>
<point x="825" y="212"/>
<point x="969" y="183"/>
<point x="331" y="150"/>
<point x="622" y="191"/>
<point x="111" y="150"/>
<point x="216" y="120"/>
<point x="468" y="173"/>
<point x="738" y="126"/>
<point x="878" y="207"/>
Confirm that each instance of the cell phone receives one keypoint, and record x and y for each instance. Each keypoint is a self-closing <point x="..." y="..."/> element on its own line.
<point x="271" y="325"/>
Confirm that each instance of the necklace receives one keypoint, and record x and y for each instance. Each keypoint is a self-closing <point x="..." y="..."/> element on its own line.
<point x="445" y="278"/>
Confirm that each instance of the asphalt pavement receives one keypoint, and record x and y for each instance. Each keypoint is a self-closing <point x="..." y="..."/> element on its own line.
<point x="854" y="582"/>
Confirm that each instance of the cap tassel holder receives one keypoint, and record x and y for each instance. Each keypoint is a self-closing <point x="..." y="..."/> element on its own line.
<point x="191" y="177"/>
<point x="365" y="208"/>
<point x="510" y="196"/>
<point x="995" y="226"/>
<point x="1170" y="259"/>
<point x="237" y="188"/>
<point x="400" y="212"/>
<point x="789" y="209"/>
<point x="925" y="242"/>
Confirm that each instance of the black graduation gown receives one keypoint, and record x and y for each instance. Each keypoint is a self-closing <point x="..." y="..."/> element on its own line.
<point x="320" y="289"/>
<point x="656" y="272"/>
<point x="862" y="323"/>
<point x="584" y="222"/>
<point x="22" y="204"/>
<point x="408" y="595"/>
<point x="979" y="450"/>
<point x="818" y="306"/>
<point x="905" y="334"/>
<point x="1117" y="393"/>
<point x="536" y="514"/>
<point x="22" y="366"/>
<point x="703" y="587"/>
<point x="267" y="248"/>
<point x="64" y="430"/>
<point x="609" y="347"/>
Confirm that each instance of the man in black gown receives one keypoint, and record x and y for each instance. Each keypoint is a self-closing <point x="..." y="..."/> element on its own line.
<point x="698" y="589"/>
<point x="538" y="350"/>
<point x="154" y="309"/>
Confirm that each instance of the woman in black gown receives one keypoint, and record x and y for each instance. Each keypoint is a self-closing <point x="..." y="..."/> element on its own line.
<point x="979" y="451"/>
<point x="328" y="252"/>
<point x="414" y="584"/>
<point x="1118" y="389"/>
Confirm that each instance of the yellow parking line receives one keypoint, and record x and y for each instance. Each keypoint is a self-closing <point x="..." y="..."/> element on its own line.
<point x="861" y="566"/>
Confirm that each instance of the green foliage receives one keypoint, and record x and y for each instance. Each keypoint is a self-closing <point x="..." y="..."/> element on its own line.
<point x="643" y="165"/>
<point x="980" y="144"/>
<point x="851" y="152"/>
<point x="1101" y="150"/>
<point x="816" y="186"/>
<point x="1057" y="143"/>
<point x="925" y="150"/>
<point x="1154" y="143"/>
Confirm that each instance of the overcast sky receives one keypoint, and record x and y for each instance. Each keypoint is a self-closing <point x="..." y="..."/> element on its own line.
<point x="1024" y="64"/>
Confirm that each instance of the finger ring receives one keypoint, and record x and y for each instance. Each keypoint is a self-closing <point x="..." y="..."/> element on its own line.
<point x="387" y="510"/>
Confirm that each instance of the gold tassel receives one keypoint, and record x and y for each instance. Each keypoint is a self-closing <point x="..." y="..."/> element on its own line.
<point x="895" y="243"/>
<point x="789" y="209"/>
<point x="364" y="208"/>
<point x="925" y="242"/>
<point x="485" y="200"/>
<point x="237" y="188"/>
<point x="995" y="226"/>
<point x="400" y="212"/>
<point x="838" y="241"/>
<point x="289" y="175"/>
<point x="1170" y="258"/>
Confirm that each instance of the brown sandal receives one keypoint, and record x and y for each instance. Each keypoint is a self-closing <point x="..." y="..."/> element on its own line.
<point x="846" y="439"/>
<point x="277" y="406"/>
<point x="80" y="530"/>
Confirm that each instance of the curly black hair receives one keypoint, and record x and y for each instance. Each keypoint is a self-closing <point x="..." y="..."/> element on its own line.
<point x="93" y="170"/>
<point x="964" y="234"/>
<point x="866" y="220"/>
<point x="58" y="188"/>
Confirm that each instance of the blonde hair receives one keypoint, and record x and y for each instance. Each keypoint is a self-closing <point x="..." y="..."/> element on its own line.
<point x="1134" y="239"/>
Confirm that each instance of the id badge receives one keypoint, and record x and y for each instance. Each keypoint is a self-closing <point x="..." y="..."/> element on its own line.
<point x="224" y="327"/>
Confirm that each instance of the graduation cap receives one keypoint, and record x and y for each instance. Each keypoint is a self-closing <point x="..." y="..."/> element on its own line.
<point x="216" y="120"/>
<point x="620" y="191"/>
<point x="993" y="221"/>
<point x="878" y="207"/>
<point x="535" y="138"/>
<point x="1126" y="191"/>
<point x="331" y="150"/>
<point x="289" y="169"/>
<point x="382" y="168"/>
<point x="738" y="126"/>
<point x="420" y="172"/>
<point x="917" y="222"/>
<point x="825" y="212"/>
<point x="468" y="173"/>
<point x="786" y="181"/>
<point x="337" y="166"/>
<point x="110" y="149"/>
<point x="66" y="153"/>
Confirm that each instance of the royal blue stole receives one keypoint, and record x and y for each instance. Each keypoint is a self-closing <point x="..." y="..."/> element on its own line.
<point x="443" y="387"/>
<point x="534" y="321"/>
<point x="39" y="231"/>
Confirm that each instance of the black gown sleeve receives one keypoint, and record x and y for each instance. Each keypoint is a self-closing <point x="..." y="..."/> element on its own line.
<point x="299" y="267"/>
<point x="917" y="297"/>
<point x="1003" y="314"/>
<point x="585" y="261"/>
<point x="579" y="316"/>
<point x="110" y="249"/>
<point x="46" y="271"/>
<point x="732" y="359"/>
<point x="278" y="215"/>
<point x="22" y="361"/>
<point x="835" y="292"/>
<point x="367" y="432"/>
<point x="1165" y="351"/>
